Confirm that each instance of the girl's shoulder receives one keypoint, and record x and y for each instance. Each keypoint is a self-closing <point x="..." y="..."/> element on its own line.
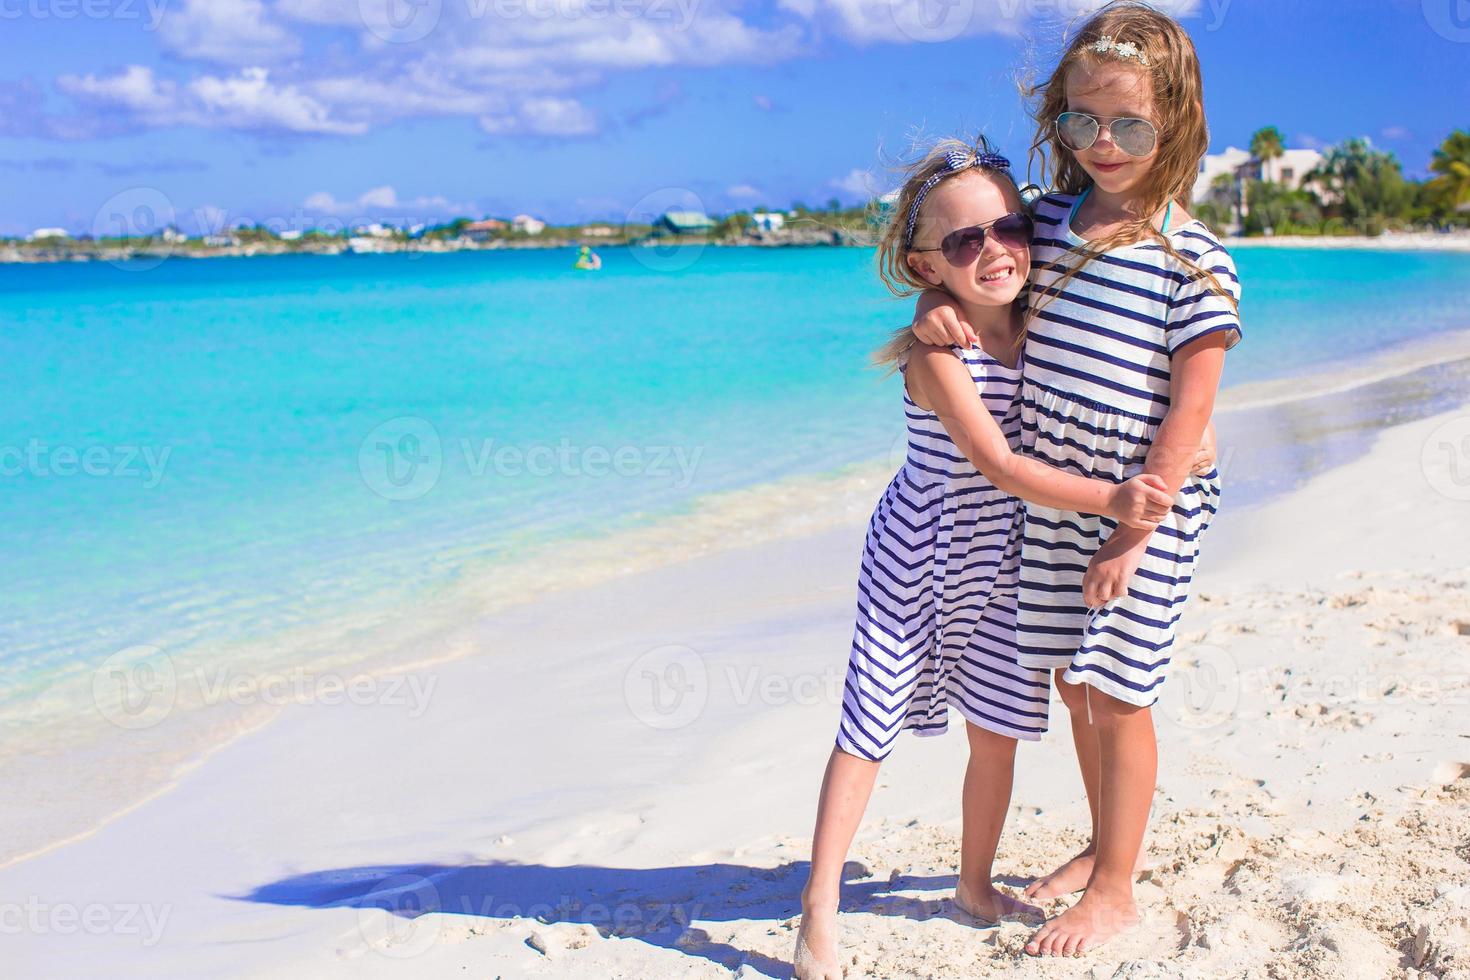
<point x="1196" y="242"/>
<point x="1057" y="199"/>
<point x="1048" y="213"/>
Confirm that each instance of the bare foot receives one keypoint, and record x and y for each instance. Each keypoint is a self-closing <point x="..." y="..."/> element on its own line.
<point x="816" y="944"/>
<point x="1070" y="877"/>
<point x="1094" y="920"/>
<point x="991" y="906"/>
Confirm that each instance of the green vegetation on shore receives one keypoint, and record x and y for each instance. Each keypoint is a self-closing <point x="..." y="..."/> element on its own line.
<point x="1355" y="189"/>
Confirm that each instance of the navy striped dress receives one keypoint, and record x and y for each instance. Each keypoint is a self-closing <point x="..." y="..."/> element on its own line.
<point x="936" y="616"/>
<point x="1098" y="351"/>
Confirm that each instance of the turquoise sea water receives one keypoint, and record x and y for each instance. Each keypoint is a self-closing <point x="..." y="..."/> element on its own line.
<point x="209" y="451"/>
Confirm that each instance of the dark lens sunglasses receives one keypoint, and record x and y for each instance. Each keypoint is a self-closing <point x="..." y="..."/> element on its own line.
<point x="962" y="246"/>
<point x="1079" y="130"/>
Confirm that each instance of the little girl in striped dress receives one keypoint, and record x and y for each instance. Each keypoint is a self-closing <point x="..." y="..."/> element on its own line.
<point x="1134" y="306"/>
<point x="937" y="590"/>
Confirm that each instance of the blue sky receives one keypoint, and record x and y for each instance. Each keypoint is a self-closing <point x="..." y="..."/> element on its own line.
<point x="301" y="111"/>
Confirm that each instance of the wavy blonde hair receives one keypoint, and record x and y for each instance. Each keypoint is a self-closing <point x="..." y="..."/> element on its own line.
<point x="892" y="254"/>
<point x="1178" y="100"/>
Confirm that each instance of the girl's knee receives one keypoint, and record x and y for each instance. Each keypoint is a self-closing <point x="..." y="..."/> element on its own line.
<point x="991" y="744"/>
<point x="1074" y="696"/>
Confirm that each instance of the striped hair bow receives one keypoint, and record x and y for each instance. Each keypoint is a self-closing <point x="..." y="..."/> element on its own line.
<point x="954" y="160"/>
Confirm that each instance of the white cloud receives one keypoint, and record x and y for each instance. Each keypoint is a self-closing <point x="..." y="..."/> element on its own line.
<point x="518" y="67"/>
<point x="231" y="32"/>
<point x="931" y="21"/>
<point x="744" y="192"/>
<point x="247" y="100"/>
<point x="133" y="88"/>
<point x="250" y="101"/>
<point x="381" y="200"/>
<point x="547" y="116"/>
<point x="857" y="183"/>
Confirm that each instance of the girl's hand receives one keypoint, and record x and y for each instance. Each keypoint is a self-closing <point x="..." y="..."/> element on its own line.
<point x="1205" y="460"/>
<point x="1110" y="571"/>
<point x="1142" y="502"/>
<point x="942" y="326"/>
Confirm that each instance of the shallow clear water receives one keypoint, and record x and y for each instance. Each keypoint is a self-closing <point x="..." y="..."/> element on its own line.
<point x="210" y="451"/>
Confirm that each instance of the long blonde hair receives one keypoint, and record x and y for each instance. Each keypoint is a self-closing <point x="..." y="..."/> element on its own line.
<point x="893" y="251"/>
<point x="1178" y="95"/>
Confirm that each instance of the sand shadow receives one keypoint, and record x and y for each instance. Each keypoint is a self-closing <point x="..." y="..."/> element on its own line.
<point x="661" y="906"/>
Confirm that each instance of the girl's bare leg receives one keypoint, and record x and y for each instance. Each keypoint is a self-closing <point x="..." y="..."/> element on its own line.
<point x="1129" y="766"/>
<point x="1073" y="874"/>
<point x="986" y="800"/>
<point x="846" y="788"/>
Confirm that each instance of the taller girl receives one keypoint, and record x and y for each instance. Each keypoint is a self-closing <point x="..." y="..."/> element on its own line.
<point x="1134" y="305"/>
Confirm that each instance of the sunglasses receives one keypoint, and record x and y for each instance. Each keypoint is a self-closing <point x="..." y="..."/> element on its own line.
<point x="962" y="246"/>
<point x="1079" y="130"/>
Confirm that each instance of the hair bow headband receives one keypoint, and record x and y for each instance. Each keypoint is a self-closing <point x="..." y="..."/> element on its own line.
<point x="954" y="160"/>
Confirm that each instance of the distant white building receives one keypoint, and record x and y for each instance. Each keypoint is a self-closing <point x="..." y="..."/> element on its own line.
<point x="767" y="221"/>
<point x="172" y="236"/>
<point x="598" y="231"/>
<point x="291" y="235"/>
<point x="1233" y="162"/>
<point x="374" y="230"/>
<point x="1288" y="169"/>
<point x="526" y="224"/>
<point x="41" y="233"/>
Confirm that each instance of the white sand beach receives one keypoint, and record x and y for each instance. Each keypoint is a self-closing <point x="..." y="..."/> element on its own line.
<point x="620" y="782"/>
<point x="1423" y="241"/>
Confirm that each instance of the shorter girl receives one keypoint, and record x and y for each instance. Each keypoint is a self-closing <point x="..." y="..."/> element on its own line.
<point x="937" y="591"/>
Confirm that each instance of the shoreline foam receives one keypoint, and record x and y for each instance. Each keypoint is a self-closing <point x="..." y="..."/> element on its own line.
<point x="1413" y="241"/>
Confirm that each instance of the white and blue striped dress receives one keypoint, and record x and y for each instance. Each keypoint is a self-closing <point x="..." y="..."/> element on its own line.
<point x="1098" y="351"/>
<point x="936" y="616"/>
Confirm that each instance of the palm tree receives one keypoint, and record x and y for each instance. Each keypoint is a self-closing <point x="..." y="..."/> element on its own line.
<point x="1452" y="164"/>
<point x="1267" y="145"/>
<point x="1363" y="185"/>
